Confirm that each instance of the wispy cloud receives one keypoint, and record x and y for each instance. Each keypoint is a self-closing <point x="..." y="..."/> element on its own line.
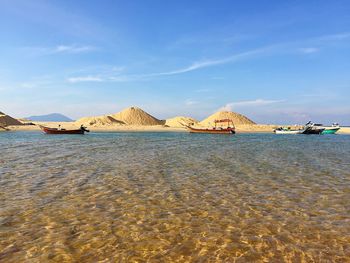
<point x="331" y="37"/>
<point x="201" y="64"/>
<point x="309" y="50"/>
<point x="59" y="49"/>
<point x="72" y="49"/>
<point x="107" y="74"/>
<point x="190" y="102"/>
<point x="100" y="78"/>
<point x="252" y="103"/>
<point x="211" y="39"/>
<point x="255" y="52"/>
<point x="85" y="79"/>
<point x="37" y="82"/>
<point x="214" y="62"/>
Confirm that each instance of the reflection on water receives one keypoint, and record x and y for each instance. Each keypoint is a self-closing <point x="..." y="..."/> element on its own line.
<point x="166" y="197"/>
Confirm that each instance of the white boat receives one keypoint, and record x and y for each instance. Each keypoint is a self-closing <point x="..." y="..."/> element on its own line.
<point x="288" y="131"/>
<point x="309" y="128"/>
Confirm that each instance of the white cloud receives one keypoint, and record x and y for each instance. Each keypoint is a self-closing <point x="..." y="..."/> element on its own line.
<point x="309" y="50"/>
<point x="195" y="66"/>
<point x="339" y="36"/>
<point x="110" y="74"/>
<point x="99" y="79"/>
<point x="213" y="62"/>
<point x="267" y="50"/>
<point x="59" y="49"/>
<point x="253" y="103"/>
<point x="72" y="49"/>
<point x="85" y="79"/>
<point x="190" y="102"/>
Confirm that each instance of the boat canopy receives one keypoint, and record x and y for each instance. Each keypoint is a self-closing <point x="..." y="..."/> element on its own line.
<point x="223" y="120"/>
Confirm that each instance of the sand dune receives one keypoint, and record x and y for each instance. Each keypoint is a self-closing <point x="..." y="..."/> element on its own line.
<point x="98" y="121"/>
<point x="6" y="120"/>
<point x="180" y="121"/>
<point x="136" y="116"/>
<point x="237" y="119"/>
<point x="131" y="116"/>
<point x="135" y="119"/>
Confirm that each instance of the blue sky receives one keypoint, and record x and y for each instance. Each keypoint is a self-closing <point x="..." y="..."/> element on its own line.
<point x="275" y="61"/>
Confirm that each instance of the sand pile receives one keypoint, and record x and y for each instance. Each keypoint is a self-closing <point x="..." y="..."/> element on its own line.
<point x="180" y="121"/>
<point x="136" y="116"/>
<point x="6" y="120"/>
<point x="237" y="118"/>
<point x="99" y="121"/>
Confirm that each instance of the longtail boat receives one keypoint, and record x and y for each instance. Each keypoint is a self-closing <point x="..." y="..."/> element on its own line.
<point x="215" y="130"/>
<point x="48" y="130"/>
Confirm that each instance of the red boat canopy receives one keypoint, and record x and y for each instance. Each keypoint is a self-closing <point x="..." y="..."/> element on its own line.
<point x="223" y="120"/>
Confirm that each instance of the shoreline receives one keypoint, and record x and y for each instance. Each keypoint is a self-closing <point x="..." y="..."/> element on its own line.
<point x="258" y="128"/>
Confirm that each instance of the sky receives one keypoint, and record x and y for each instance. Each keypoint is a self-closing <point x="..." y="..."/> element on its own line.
<point x="274" y="61"/>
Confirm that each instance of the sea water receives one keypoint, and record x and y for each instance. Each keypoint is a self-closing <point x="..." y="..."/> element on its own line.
<point x="174" y="197"/>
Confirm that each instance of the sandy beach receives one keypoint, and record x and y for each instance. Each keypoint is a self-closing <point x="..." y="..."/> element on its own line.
<point x="256" y="128"/>
<point x="134" y="119"/>
<point x="344" y="130"/>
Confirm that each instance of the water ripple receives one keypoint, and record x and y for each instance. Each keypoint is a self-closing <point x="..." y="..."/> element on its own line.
<point x="147" y="197"/>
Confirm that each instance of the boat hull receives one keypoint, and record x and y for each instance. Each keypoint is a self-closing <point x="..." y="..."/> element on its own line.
<point x="330" y="131"/>
<point x="289" y="132"/>
<point x="212" y="131"/>
<point x="313" y="131"/>
<point x="307" y="130"/>
<point x="56" y="131"/>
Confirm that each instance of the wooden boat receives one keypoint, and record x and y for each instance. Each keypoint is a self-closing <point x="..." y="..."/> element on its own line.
<point x="48" y="130"/>
<point x="215" y="130"/>
<point x="309" y="128"/>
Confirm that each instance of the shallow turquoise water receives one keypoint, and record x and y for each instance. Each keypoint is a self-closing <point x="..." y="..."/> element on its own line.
<point x="174" y="197"/>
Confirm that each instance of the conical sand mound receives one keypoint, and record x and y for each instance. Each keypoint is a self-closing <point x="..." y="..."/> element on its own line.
<point x="180" y="121"/>
<point x="136" y="116"/>
<point x="99" y="121"/>
<point x="6" y="120"/>
<point x="237" y="119"/>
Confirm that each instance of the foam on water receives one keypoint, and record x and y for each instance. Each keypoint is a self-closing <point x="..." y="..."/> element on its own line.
<point x="174" y="197"/>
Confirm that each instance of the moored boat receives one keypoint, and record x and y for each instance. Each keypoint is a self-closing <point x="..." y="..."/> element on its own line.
<point x="309" y="128"/>
<point x="48" y="130"/>
<point x="282" y="130"/>
<point x="215" y="130"/>
<point x="331" y="129"/>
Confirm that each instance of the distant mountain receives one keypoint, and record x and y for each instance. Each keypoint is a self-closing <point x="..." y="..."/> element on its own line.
<point x="57" y="117"/>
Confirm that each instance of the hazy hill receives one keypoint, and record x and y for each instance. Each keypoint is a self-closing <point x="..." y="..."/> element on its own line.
<point x="50" y="117"/>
